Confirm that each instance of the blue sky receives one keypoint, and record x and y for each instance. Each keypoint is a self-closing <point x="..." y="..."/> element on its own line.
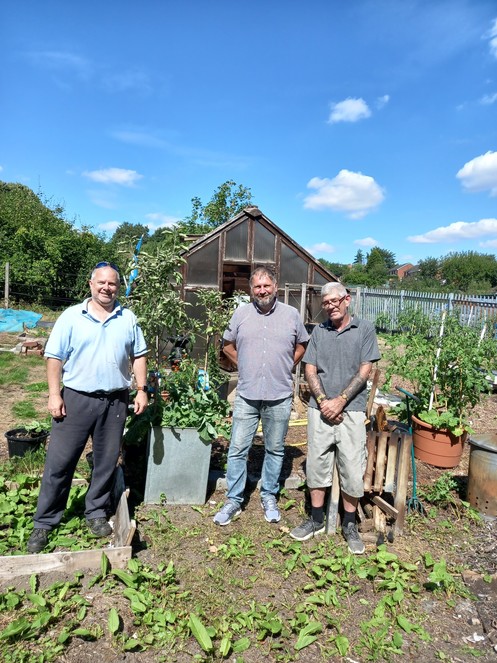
<point x="354" y="123"/>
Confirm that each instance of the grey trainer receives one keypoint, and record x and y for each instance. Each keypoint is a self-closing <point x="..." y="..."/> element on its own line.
<point x="354" y="541"/>
<point x="270" y="508"/>
<point x="307" y="530"/>
<point x="226" y="513"/>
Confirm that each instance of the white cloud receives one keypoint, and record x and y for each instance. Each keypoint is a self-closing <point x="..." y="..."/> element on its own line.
<point x="349" y="110"/>
<point x="158" y="220"/>
<point x="353" y="193"/>
<point x="459" y="230"/>
<point x="488" y="99"/>
<point x="492" y="37"/>
<point x="367" y="242"/>
<point x="381" y="102"/>
<point x="489" y="244"/>
<point x="1" y="169"/>
<point x="480" y="174"/>
<point x="119" y="176"/>
<point x="61" y="61"/>
<point x="128" y="80"/>
<point x="320" y="247"/>
<point x="109" y="227"/>
<point x="140" y="138"/>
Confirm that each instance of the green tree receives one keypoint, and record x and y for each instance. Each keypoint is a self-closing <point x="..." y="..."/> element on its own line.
<point x="128" y="234"/>
<point x="469" y="271"/>
<point x="359" y="258"/>
<point x="48" y="257"/>
<point x="226" y="202"/>
<point x="336" y="268"/>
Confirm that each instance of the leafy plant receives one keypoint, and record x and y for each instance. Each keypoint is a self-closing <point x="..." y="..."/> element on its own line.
<point x="440" y="492"/>
<point x="446" y="369"/>
<point x="189" y="404"/>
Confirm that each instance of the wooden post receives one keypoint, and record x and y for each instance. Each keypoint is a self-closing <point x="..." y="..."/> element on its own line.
<point x="6" y="291"/>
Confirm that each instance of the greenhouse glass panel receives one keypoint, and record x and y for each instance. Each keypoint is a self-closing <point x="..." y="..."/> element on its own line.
<point x="263" y="244"/>
<point x="202" y="265"/>
<point x="293" y="269"/>
<point x="236" y="242"/>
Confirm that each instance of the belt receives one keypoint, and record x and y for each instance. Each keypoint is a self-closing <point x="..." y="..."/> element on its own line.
<point x="101" y="393"/>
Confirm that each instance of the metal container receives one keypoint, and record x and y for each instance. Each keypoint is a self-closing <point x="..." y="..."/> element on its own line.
<point x="482" y="473"/>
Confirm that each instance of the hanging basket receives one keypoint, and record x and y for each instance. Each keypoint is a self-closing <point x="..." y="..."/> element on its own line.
<point x="20" y="441"/>
<point x="435" y="446"/>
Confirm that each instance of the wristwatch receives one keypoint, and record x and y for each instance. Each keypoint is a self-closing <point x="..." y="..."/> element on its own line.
<point x="320" y="399"/>
<point x="144" y="388"/>
<point x="344" y="396"/>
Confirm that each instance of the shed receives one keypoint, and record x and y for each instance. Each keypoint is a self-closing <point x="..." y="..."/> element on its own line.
<point x="224" y="258"/>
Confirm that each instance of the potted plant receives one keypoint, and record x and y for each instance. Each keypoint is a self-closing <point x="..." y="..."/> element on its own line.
<point x="446" y="364"/>
<point x="186" y="411"/>
<point x="27" y="437"/>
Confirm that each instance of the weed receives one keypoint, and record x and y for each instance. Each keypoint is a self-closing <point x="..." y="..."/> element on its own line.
<point x="440" y="493"/>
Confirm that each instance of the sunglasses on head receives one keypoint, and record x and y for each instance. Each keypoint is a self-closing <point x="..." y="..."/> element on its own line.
<point x="107" y="264"/>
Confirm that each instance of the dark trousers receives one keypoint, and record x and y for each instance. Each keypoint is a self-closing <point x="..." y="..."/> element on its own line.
<point x="101" y="416"/>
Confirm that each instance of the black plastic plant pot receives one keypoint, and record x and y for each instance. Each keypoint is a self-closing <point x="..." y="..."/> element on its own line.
<point x="20" y="441"/>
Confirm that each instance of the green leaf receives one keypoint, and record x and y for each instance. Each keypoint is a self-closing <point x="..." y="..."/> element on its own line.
<point x="342" y="644"/>
<point x="306" y="635"/>
<point x="200" y="633"/>
<point x="241" y="645"/>
<point x="125" y="577"/>
<point x="404" y="623"/>
<point x="113" y="621"/>
<point x="104" y="565"/>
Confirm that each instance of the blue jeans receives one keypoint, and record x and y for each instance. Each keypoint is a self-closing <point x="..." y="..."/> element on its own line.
<point x="274" y="416"/>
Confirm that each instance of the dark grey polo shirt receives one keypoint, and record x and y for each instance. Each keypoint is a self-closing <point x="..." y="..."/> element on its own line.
<point x="265" y="345"/>
<point x="338" y="356"/>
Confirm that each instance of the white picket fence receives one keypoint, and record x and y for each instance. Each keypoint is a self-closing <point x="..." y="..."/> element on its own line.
<point x="382" y="306"/>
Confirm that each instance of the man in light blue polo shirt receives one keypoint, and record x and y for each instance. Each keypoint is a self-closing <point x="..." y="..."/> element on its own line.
<point x="265" y="339"/>
<point x="89" y="350"/>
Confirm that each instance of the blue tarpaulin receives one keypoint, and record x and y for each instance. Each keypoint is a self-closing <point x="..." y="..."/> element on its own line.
<point x="13" y="321"/>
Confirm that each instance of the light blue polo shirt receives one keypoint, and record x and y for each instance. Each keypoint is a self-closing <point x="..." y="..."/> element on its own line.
<point x="96" y="355"/>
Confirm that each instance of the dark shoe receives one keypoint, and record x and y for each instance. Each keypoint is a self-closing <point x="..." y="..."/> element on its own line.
<point x="99" y="526"/>
<point x="356" y="546"/>
<point x="38" y="540"/>
<point x="307" y="530"/>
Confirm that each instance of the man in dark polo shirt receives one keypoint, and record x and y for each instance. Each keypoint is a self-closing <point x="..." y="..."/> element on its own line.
<point x="265" y="339"/>
<point x="338" y="362"/>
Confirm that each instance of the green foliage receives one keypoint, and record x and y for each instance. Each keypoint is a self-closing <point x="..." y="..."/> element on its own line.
<point x="227" y="201"/>
<point x="188" y="405"/>
<point x="18" y="499"/>
<point x="453" y="366"/>
<point x="469" y="271"/>
<point x="155" y="298"/>
<point x="46" y="253"/>
<point x="440" y="492"/>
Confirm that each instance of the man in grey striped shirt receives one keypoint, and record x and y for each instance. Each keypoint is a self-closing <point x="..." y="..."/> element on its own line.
<point x="265" y="339"/>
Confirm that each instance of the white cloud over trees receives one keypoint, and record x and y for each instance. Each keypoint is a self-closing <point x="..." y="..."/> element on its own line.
<point x="353" y="193"/>
<point x="480" y="174"/>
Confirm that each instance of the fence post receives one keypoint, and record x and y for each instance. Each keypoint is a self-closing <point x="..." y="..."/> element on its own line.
<point x="6" y="289"/>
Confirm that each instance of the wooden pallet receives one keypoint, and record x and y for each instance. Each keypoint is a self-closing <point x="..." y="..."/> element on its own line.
<point x="385" y="482"/>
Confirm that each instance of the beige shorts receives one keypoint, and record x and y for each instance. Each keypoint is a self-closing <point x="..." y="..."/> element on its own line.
<point x="347" y="440"/>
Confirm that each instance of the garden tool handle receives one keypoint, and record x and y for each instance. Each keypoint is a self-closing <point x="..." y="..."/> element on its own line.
<point x="408" y="393"/>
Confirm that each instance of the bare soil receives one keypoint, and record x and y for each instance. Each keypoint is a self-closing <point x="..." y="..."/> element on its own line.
<point x="461" y="629"/>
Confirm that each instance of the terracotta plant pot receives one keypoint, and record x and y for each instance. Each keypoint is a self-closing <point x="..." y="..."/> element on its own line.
<point x="437" y="447"/>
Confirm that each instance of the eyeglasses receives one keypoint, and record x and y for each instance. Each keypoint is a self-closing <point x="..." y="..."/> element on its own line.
<point x="107" y="264"/>
<point x="333" y="302"/>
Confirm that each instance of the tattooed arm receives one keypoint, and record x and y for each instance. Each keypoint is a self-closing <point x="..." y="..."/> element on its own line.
<point x="333" y="407"/>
